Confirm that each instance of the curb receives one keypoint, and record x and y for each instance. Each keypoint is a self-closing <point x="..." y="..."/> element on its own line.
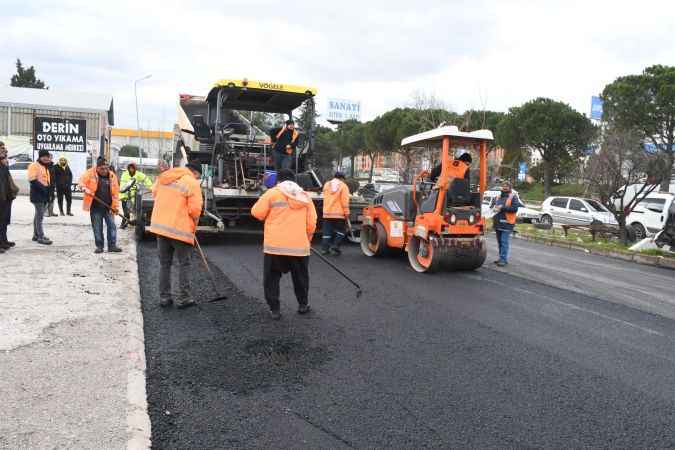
<point x="647" y="260"/>
<point x="138" y="420"/>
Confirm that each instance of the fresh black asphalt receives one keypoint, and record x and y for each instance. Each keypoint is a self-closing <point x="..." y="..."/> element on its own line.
<point x="486" y="359"/>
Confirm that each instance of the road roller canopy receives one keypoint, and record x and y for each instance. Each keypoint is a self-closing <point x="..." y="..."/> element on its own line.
<point x="264" y="96"/>
<point x="436" y="136"/>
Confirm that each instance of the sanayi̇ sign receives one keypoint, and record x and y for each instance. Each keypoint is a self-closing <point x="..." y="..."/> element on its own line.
<point x="59" y="135"/>
<point x="340" y="110"/>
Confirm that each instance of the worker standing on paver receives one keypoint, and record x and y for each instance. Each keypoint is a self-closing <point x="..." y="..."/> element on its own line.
<point x="290" y="222"/>
<point x="506" y="207"/>
<point x="63" y="179"/>
<point x="129" y="181"/>
<point x="8" y="192"/>
<point x="38" y="177"/>
<point x="285" y="145"/>
<point x="101" y="199"/>
<point x="335" y="214"/>
<point x="175" y="215"/>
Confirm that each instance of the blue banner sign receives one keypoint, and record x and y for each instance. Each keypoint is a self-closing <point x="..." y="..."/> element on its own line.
<point x="596" y="108"/>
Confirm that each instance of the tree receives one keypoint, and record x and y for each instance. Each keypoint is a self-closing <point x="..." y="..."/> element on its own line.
<point x="552" y="128"/>
<point x="646" y="103"/>
<point x="351" y="140"/>
<point x="623" y="174"/>
<point x="131" y="151"/>
<point x="325" y="151"/>
<point x="26" y="77"/>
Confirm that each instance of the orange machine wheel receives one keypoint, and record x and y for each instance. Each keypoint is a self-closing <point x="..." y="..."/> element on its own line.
<point x="422" y="255"/>
<point x="374" y="240"/>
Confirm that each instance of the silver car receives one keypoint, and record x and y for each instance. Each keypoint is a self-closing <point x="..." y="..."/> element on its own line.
<point x="574" y="211"/>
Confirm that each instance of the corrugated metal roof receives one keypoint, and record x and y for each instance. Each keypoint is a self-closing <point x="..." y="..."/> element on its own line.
<point x="55" y="98"/>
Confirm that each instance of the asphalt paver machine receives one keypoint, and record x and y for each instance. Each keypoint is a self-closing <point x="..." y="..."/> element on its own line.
<point x="438" y="223"/>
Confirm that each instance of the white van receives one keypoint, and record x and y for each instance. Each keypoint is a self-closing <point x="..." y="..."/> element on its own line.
<point x="649" y="216"/>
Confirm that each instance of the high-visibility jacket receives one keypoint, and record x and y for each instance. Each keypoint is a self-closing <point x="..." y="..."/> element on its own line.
<point x="126" y="179"/>
<point x="335" y="200"/>
<point x="290" y="219"/>
<point x="505" y="219"/>
<point x="89" y="180"/>
<point x="178" y="205"/>
<point x="39" y="179"/>
<point x="458" y="169"/>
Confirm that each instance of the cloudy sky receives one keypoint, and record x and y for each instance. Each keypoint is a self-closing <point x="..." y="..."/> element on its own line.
<point x="470" y="54"/>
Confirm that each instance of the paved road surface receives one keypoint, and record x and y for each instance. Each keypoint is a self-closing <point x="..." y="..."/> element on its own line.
<point x="486" y="359"/>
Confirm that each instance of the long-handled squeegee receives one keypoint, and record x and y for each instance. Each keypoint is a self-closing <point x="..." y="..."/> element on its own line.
<point x="335" y="268"/>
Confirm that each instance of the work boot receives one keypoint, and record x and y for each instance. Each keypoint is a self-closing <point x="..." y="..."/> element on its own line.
<point x="185" y="304"/>
<point x="275" y="314"/>
<point x="114" y="249"/>
<point x="336" y="251"/>
<point x="69" y="213"/>
<point x="496" y="261"/>
<point x="325" y="251"/>
<point x="5" y="246"/>
<point x="303" y="309"/>
<point x="165" y="302"/>
<point x="44" y="241"/>
<point x="10" y="243"/>
<point x="2" y="250"/>
<point x="98" y="250"/>
<point x="35" y="238"/>
<point x="501" y="263"/>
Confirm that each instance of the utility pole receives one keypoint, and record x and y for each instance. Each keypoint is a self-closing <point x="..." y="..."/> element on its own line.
<point x="138" y="122"/>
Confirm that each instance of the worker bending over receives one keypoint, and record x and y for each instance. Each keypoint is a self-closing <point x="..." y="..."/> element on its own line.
<point x="175" y="215"/>
<point x="290" y="222"/>
<point x="101" y="199"/>
<point x="130" y="180"/>
<point x="504" y="221"/>
<point x="284" y="146"/>
<point x="335" y="214"/>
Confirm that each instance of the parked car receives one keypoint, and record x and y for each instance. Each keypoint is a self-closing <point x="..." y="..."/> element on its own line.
<point x="650" y="215"/>
<point x="574" y="211"/>
<point x="19" y="171"/>
<point x="524" y="214"/>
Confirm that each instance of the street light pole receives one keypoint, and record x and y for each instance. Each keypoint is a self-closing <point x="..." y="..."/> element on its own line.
<point x="138" y="122"/>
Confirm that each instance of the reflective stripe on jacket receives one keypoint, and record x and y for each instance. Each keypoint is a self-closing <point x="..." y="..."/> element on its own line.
<point x="290" y="221"/>
<point x="126" y="178"/>
<point x="335" y="200"/>
<point x="89" y="180"/>
<point x="178" y="205"/>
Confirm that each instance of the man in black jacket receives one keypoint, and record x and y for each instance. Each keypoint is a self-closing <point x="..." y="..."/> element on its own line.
<point x="8" y="192"/>
<point x="286" y="141"/>
<point x="52" y="188"/>
<point x="63" y="179"/>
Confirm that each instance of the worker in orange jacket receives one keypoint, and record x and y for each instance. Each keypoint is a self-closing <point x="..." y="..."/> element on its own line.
<point x="335" y="214"/>
<point x="290" y="222"/>
<point x="175" y="215"/>
<point x="101" y="182"/>
<point x="39" y="179"/>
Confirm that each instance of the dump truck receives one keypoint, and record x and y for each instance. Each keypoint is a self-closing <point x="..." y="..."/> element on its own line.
<point x="219" y="132"/>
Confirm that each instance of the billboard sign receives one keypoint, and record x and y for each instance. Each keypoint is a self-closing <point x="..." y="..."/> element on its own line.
<point x="596" y="108"/>
<point x="340" y="110"/>
<point x="62" y="138"/>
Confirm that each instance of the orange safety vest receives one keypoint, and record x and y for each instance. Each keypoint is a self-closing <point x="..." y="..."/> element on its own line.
<point x="37" y="171"/>
<point x="510" y="216"/>
<point x="294" y="137"/>
<point x="178" y="205"/>
<point x="290" y="222"/>
<point x="89" y="180"/>
<point x="335" y="201"/>
<point x="458" y="169"/>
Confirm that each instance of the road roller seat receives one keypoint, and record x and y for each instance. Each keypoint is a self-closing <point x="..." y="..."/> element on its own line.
<point x="459" y="193"/>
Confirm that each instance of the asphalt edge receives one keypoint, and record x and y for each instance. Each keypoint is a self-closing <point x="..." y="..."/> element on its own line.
<point x="638" y="258"/>
<point x="138" y="420"/>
